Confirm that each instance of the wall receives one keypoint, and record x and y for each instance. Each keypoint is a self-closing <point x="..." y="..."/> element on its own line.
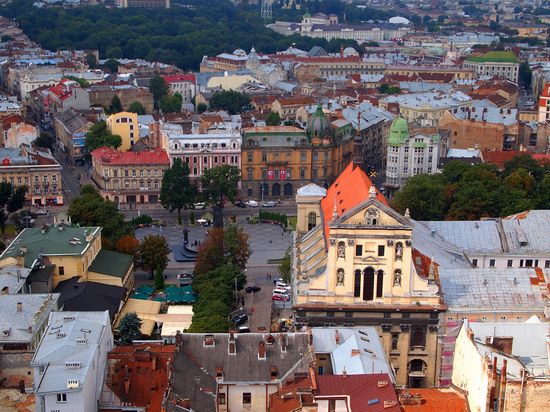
<point x="14" y="367"/>
<point x="535" y="397"/>
<point x="129" y="131"/>
<point x="259" y="396"/>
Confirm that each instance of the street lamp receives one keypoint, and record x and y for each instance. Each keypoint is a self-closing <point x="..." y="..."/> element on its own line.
<point x="236" y="295"/>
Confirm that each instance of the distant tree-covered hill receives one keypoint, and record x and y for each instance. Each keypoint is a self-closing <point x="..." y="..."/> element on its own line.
<point x="181" y="35"/>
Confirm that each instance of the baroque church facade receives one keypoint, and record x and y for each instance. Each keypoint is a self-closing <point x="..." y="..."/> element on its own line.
<point x="355" y="264"/>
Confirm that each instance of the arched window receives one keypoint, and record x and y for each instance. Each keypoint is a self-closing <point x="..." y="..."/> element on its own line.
<point x="418" y="337"/>
<point x="288" y="189"/>
<point x="251" y="142"/>
<point x="276" y="189"/>
<point x="264" y="189"/>
<point x="311" y="220"/>
<point x="249" y="192"/>
<point x="371" y="217"/>
<point x="357" y="284"/>
<point x="368" y="283"/>
<point x="380" y="284"/>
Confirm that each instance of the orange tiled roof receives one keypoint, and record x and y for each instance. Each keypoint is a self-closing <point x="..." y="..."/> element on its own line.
<point x="108" y="155"/>
<point x="349" y="189"/>
<point x="437" y="400"/>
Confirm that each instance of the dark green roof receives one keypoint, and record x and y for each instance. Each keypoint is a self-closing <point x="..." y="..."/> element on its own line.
<point x="494" y="57"/>
<point x="399" y="131"/>
<point x="49" y="241"/>
<point x="111" y="263"/>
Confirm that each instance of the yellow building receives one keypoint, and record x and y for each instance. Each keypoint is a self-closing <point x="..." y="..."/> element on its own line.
<point x="354" y="264"/>
<point x="124" y="124"/>
<point x="74" y="250"/>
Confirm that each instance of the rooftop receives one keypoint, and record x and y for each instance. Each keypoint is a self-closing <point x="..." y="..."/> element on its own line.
<point x="64" y="239"/>
<point x="19" y="323"/>
<point x="429" y="100"/>
<point x="436" y="400"/>
<point x="111" y="263"/>
<point x="494" y="57"/>
<point x="67" y="349"/>
<point x="12" y="278"/>
<point x="109" y="156"/>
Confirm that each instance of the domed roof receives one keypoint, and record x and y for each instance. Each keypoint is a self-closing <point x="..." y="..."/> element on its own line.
<point x="318" y="124"/>
<point x="399" y="20"/>
<point x="239" y="52"/>
<point x="399" y="131"/>
<point x="307" y="15"/>
<point x="350" y="51"/>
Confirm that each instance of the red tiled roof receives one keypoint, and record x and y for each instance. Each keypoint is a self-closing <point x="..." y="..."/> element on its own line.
<point x="437" y="400"/>
<point x="328" y="59"/>
<point x="362" y="391"/>
<point x="178" y="78"/>
<point x="108" y="155"/>
<point x="499" y="157"/>
<point x="296" y="101"/>
<point x="350" y="189"/>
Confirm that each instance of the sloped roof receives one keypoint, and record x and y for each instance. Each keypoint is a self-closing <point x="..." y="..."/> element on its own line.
<point x="437" y="400"/>
<point x="311" y="189"/>
<point x="110" y="156"/>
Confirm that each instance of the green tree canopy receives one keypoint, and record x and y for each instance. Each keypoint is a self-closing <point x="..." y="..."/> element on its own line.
<point x="129" y="328"/>
<point x="136" y="107"/>
<point x="220" y="183"/>
<point x="153" y="253"/>
<point x="158" y="88"/>
<point x="46" y="140"/>
<point x="91" y="60"/>
<point x="424" y="196"/>
<point x="230" y="100"/>
<point x="171" y="103"/>
<point x="99" y="135"/>
<point x="112" y="65"/>
<point x="116" y="105"/>
<point x="177" y="191"/>
<point x="273" y="119"/>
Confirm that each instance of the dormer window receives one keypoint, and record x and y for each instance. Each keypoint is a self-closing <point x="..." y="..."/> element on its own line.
<point x="371" y="218"/>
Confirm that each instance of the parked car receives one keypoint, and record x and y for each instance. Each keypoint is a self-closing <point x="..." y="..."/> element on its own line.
<point x="282" y="285"/>
<point x="250" y="289"/>
<point x="240" y="204"/>
<point x="278" y="280"/>
<point x="244" y="329"/>
<point x="42" y="212"/>
<point x="199" y="206"/>
<point x="270" y="203"/>
<point x="282" y="298"/>
<point x="240" y="319"/>
<point x="27" y="221"/>
<point x="251" y="203"/>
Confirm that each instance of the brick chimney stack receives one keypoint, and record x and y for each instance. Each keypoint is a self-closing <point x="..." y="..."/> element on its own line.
<point x="232" y="348"/>
<point x="261" y="350"/>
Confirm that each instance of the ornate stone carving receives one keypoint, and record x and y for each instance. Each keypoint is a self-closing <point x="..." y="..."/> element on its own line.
<point x="351" y="242"/>
<point x="389" y="242"/>
<point x="341" y="250"/>
<point x="340" y="277"/>
<point x="405" y="327"/>
<point x="408" y="243"/>
<point x="332" y="241"/>
<point x="433" y="328"/>
<point x="386" y="327"/>
<point x="399" y="251"/>
<point x="397" y="277"/>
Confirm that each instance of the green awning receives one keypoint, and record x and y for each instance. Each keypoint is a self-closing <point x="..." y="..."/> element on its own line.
<point x="141" y="296"/>
<point x="181" y="298"/>
<point x="159" y="299"/>
<point x="146" y="290"/>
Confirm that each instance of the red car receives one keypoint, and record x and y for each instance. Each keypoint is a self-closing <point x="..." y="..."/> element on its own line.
<point x="281" y="297"/>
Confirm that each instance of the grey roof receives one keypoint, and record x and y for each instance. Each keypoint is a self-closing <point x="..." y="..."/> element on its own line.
<point x="21" y="326"/>
<point x="524" y="233"/>
<point x="529" y="344"/>
<point x="463" y="153"/>
<point x="493" y="290"/>
<point x="507" y="117"/>
<point x="369" y="359"/>
<point x="416" y="87"/>
<point x="311" y="189"/>
<point x="12" y="278"/>
<point x="59" y="346"/>
<point x="73" y="121"/>
<point x="370" y="115"/>
<point x="429" y="99"/>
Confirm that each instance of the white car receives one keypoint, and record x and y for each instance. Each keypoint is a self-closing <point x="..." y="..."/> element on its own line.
<point x="41" y="212"/>
<point x="270" y="204"/>
<point x="199" y="206"/>
<point x="282" y="285"/>
<point x="251" y="203"/>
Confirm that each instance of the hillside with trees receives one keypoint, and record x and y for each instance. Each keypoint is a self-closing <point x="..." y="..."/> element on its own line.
<point x="181" y="35"/>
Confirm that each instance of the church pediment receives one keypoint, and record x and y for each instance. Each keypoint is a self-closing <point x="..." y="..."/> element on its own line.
<point x="370" y="259"/>
<point x="372" y="212"/>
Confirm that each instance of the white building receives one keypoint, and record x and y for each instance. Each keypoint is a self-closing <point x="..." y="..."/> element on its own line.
<point x="410" y="155"/>
<point x="219" y="145"/>
<point x="495" y="63"/>
<point x="70" y="363"/>
<point x="184" y="84"/>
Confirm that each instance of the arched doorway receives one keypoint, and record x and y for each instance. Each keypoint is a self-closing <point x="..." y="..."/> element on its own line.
<point x="249" y="192"/>
<point x="368" y="283"/>
<point x="142" y="199"/>
<point x="417" y="373"/>
<point x="276" y="189"/>
<point x="264" y="190"/>
<point x="116" y="200"/>
<point x="288" y="189"/>
<point x="107" y="198"/>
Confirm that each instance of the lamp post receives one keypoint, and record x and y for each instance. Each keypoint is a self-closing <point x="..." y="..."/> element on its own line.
<point x="236" y="295"/>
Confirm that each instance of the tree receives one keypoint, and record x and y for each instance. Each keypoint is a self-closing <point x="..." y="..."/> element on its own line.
<point x="230" y="100"/>
<point x="46" y="140"/>
<point x="201" y="108"/>
<point x="176" y="191"/>
<point x="90" y="209"/>
<point x="3" y="220"/>
<point x="171" y="103"/>
<point x="273" y="119"/>
<point x="424" y="196"/>
<point x="387" y="89"/>
<point x="129" y="328"/>
<point x="153" y="253"/>
<point x="116" y="105"/>
<point x="159" y="279"/>
<point x="525" y="74"/>
<point x="17" y="199"/>
<point x="158" y="88"/>
<point x="91" y="60"/>
<point x="235" y="246"/>
<point x="285" y="267"/>
<point x="210" y="324"/>
<point x="99" y="135"/>
<point x="112" y="65"/>
<point x="11" y="200"/>
<point x="128" y="245"/>
<point x="136" y="107"/>
<point x="221" y="182"/>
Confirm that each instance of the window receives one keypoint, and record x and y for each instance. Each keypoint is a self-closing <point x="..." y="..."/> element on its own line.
<point x="249" y="157"/>
<point x="358" y="250"/>
<point x="302" y="173"/>
<point x="133" y="173"/>
<point x="314" y="171"/>
<point x="61" y="397"/>
<point x="381" y="250"/>
<point x="418" y="337"/>
<point x="394" y="341"/>
<point x="474" y="262"/>
<point x="528" y="263"/>
<point x="510" y="263"/>
<point x="264" y="174"/>
<point x="221" y="399"/>
<point x="547" y="264"/>
<point x="61" y="270"/>
<point x="492" y="263"/>
<point x="311" y="221"/>
<point x="247" y="398"/>
<point x="521" y="263"/>
<point x="357" y="284"/>
<point x="250" y="174"/>
<point x="264" y="157"/>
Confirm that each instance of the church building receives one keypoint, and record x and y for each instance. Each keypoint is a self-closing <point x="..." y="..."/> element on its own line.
<point x="355" y="263"/>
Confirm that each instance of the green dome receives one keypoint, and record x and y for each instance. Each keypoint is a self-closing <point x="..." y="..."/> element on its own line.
<point x="399" y="131"/>
<point x="318" y="124"/>
<point x="307" y="15"/>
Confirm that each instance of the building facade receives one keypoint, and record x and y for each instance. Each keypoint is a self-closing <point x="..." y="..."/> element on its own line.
<point x="35" y="168"/>
<point x="70" y="130"/>
<point x="495" y="63"/>
<point x="184" y="84"/>
<point x="278" y="160"/>
<point x="124" y="124"/>
<point x="355" y="264"/>
<point x="409" y="155"/>
<point x="129" y="177"/>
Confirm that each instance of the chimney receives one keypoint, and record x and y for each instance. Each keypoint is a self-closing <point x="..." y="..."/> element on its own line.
<point x="310" y="336"/>
<point x="337" y="337"/>
<point x="219" y="374"/>
<point x="502" y="391"/>
<point x="261" y="350"/>
<point x="283" y="343"/>
<point x="19" y="306"/>
<point x="154" y="363"/>
<point x="208" y="341"/>
<point x="231" y="347"/>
